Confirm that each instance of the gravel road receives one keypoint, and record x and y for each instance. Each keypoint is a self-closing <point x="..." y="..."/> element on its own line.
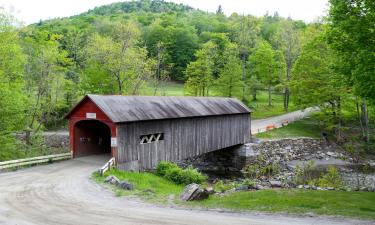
<point x="258" y="126"/>
<point x="62" y="193"/>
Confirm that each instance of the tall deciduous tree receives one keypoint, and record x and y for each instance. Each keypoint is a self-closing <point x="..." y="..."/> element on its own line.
<point x="115" y="63"/>
<point x="316" y="83"/>
<point x="263" y="61"/>
<point x="12" y="99"/>
<point x="45" y="77"/>
<point x="287" y="41"/>
<point x="230" y="82"/>
<point x="199" y="73"/>
<point x="352" y="34"/>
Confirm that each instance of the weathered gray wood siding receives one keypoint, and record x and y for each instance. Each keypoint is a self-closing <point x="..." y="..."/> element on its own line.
<point x="183" y="138"/>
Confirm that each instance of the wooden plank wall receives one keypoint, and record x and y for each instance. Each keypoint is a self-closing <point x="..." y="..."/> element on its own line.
<point x="183" y="138"/>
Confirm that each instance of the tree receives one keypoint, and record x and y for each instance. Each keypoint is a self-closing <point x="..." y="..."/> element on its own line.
<point x="351" y="34"/>
<point x="13" y="101"/>
<point x="199" y="73"/>
<point x="45" y="80"/>
<point x="264" y="66"/>
<point x="115" y="63"/>
<point x="246" y="30"/>
<point x="287" y="40"/>
<point x="160" y="67"/>
<point x="230" y="82"/>
<point x="316" y="83"/>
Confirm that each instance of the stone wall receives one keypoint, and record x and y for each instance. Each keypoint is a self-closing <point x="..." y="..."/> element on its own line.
<point x="51" y="139"/>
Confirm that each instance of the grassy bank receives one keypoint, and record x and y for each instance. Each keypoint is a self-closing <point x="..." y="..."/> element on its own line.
<point x="155" y="189"/>
<point x="147" y="185"/>
<point x="307" y="127"/>
<point x="350" y="204"/>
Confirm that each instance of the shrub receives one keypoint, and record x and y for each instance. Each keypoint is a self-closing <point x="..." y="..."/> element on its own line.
<point x="164" y="166"/>
<point x="191" y="175"/>
<point x="178" y="175"/>
<point x="261" y="168"/>
<point x="175" y="175"/>
<point x="305" y="174"/>
<point x="331" y="179"/>
<point x="222" y="186"/>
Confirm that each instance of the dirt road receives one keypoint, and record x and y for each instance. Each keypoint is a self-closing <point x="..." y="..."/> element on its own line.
<point x="258" y="126"/>
<point x="62" y="193"/>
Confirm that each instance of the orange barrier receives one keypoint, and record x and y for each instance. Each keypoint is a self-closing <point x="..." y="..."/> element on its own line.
<point x="270" y="127"/>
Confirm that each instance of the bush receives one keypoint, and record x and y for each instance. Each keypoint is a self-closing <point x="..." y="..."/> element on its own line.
<point x="261" y="168"/>
<point x="164" y="166"/>
<point x="331" y="179"/>
<point x="191" y="175"/>
<point x="222" y="186"/>
<point x="178" y="175"/>
<point x="175" y="175"/>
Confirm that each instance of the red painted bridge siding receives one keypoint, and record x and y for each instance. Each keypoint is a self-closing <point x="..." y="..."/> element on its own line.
<point x="79" y="114"/>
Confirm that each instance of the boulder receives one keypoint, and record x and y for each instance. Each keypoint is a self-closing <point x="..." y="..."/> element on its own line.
<point x="210" y="190"/>
<point x="242" y="188"/>
<point x="112" y="180"/>
<point x="126" y="185"/>
<point x="194" y="192"/>
<point x="189" y="191"/>
<point x="275" y="183"/>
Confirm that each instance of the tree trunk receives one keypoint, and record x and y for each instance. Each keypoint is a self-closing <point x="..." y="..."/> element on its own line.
<point x="269" y="95"/>
<point x="365" y="120"/>
<point x="286" y="93"/>
<point x="243" y="77"/>
<point x="286" y="99"/>
<point x="339" y="121"/>
<point x="359" y="117"/>
<point x="254" y="94"/>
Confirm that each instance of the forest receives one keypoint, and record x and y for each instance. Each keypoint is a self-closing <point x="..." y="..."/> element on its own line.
<point x="142" y="47"/>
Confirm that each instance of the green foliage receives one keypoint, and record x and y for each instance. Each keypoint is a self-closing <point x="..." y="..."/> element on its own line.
<point x="222" y="186"/>
<point x="13" y="101"/>
<point x="147" y="185"/>
<point x="304" y="173"/>
<point x="164" y="166"/>
<point x="351" y="34"/>
<point x="178" y="175"/>
<point x="199" y="74"/>
<point x="261" y="168"/>
<point x="230" y="82"/>
<point x="331" y="179"/>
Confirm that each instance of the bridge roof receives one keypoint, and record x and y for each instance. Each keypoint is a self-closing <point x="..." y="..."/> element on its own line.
<point x="140" y="108"/>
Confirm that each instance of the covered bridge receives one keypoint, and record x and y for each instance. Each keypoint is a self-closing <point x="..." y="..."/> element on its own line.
<point x="140" y="131"/>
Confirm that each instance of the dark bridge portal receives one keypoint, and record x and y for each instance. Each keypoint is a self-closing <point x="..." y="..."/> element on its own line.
<point x="91" y="137"/>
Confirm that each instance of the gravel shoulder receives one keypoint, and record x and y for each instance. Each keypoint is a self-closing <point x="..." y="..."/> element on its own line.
<point x="62" y="193"/>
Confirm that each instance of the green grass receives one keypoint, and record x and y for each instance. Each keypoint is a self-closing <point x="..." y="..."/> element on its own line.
<point x="166" y="89"/>
<point x="260" y="107"/>
<point x="156" y="189"/>
<point x="262" y="110"/>
<point x="350" y="204"/>
<point x="307" y="127"/>
<point x="148" y="186"/>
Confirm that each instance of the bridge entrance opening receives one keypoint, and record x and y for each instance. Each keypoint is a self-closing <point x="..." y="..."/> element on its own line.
<point x="91" y="137"/>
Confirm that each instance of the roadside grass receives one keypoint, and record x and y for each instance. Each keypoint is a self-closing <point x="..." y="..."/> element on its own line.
<point x="295" y="201"/>
<point x="155" y="189"/>
<point x="262" y="110"/>
<point x="307" y="127"/>
<point x="148" y="186"/>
